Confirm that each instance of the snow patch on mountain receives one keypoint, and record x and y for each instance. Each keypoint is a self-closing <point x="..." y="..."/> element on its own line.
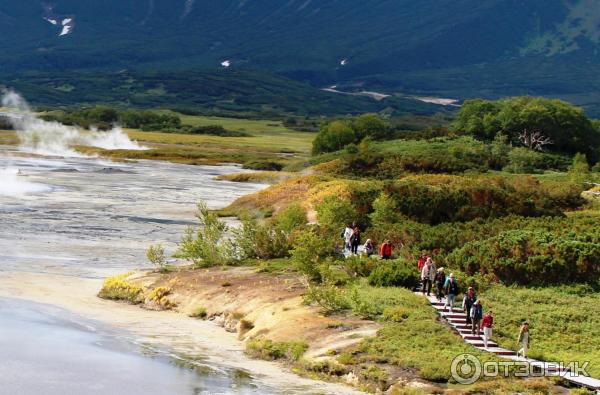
<point x="226" y="63"/>
<point x="187" y="8"/>
<point x="52" y="21"/>
<point x="65" y="30"/>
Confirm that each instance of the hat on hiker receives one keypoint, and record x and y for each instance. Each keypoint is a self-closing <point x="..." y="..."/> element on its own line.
<point x="441" y="269"/>
<point x="451" y="275"/>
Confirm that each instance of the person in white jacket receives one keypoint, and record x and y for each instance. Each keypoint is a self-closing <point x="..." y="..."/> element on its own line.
<point x="347" y="236"/>
<point x="427" y="276"/>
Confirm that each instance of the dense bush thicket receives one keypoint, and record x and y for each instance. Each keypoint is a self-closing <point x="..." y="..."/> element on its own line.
<point x="533" y="257"/>
<point x="446" y="198"/>
<point x="397" y="273"/>
<point x="566" y="125"/>
<point x="336" y="135"/>
<point x="396" y="158"/>
<point x="104" y="118"/>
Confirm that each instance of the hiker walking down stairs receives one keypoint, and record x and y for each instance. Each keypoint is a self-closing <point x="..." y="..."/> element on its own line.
<point x="427" y="276"/>
<point x="524" y="340"/>
<point x="468" y="302"/>
<point x="476" y="317"/>
<point x="451" y="288"/>
<point x="440" y="281"/>
<point x="487" y="324"/>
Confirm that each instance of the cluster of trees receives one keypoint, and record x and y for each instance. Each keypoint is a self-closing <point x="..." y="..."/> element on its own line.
<point x="538" y="123"/>
<point x="337" y="134"/>
<point x="105" y="118"/>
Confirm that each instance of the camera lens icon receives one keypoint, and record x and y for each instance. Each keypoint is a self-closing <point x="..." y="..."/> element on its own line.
<point x="466" y="369"/>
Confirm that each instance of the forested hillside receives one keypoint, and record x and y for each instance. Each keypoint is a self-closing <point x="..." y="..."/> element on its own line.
<point x="461" y="48"/>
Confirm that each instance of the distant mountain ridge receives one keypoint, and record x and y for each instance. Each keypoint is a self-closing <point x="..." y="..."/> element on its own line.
<point x="424" y="46"/>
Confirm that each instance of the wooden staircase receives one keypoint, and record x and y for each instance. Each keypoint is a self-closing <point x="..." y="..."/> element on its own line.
<point x="457" y="319"/>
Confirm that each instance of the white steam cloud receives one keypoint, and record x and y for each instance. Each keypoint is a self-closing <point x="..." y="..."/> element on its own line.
<point x="13" y="185"/>
<point x="55" y="139"/>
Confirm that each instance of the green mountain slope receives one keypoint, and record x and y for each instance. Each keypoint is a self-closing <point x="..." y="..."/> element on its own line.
<point x="428" y="46"/>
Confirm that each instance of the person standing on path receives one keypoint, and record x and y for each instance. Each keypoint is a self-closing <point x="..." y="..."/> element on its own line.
<point x="524" y="340"/>
<point x="422" y="260"/>
<point x="369" y="248"/>
<point x="427" y="276"/>
<point x="451" y="288"/>
<point x="347" y="235"/>
<point x="440" y="281"/>
<point x="355" y="240"/>
<point x="487" y="324"/>
<point x="476" y="317"/>
<point x="386" y="250"/>
<point x="468" y="302"/>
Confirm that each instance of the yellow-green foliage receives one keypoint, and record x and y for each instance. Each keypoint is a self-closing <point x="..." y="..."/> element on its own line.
<point x="159" y="297"/>
<point x="270" y="350"/>
<point x="118" y="288"/>
<point x="261" y="177"/>
<point x="199" y="312"/>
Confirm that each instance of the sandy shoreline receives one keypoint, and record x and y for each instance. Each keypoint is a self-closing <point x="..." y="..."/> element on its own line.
<point x="169" y="329"/>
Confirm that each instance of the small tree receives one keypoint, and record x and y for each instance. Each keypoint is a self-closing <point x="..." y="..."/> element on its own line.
<point x="156" y="256"/>
<point x="500" y="149"/>
<point x="335" y="213"/>
<point x="291" y="217"/>
<point x="385" y="210"/>
<point x="308" y="254"/>
<point x="205" y="245"/>
<point x="579" y="171"/>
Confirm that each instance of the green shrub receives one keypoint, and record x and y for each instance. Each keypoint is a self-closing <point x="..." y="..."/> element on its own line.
<point x="395" y="313"/>
<point x="263" y="165"/>
<point x="524" y="160"/>
<point x="363" y="307"/>
<point x="533" y="257"/>
<point x="446" y="198"/>
<point x="217" y="130"/>
<point x="308" y="253"/>
<point x="333" y="137"/>
<point x="330" y="298"/>
<point x="156" y="256"/>
<point x="206" y="245"/>
<point x="336" y="213"/>
<point x="394" y="273"/>
<point x="358" y="265"/>
<point x="270" y="350"/>
<point x="262" y="240"/>
<point x="199" y="312"/>
<point x="292" y="217"/>
<point x="385" y="210"/>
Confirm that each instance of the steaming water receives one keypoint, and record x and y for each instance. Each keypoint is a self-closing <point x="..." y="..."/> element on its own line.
<point x="92" y="218"/>
<point x="53" y="138"/>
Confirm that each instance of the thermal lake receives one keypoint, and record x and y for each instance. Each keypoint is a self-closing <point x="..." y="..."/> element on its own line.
<point x="65" y="224"/>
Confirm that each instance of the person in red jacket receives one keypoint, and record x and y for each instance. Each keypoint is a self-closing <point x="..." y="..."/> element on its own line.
<point x="487" y="324"/>
<point x="386" y="250"/>
<point x="422" y="261"/>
